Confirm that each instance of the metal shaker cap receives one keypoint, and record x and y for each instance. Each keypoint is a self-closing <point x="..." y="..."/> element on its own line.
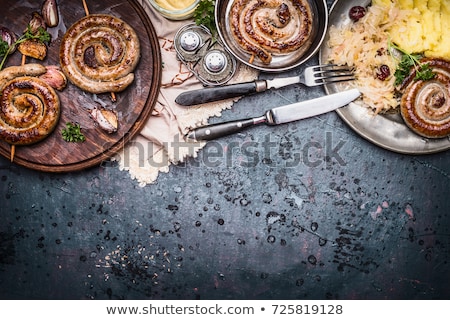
<point x="190" y="41"/>
<point x="215" y="61"/>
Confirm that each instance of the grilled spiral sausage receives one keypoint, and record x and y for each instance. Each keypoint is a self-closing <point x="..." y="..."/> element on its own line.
<point x="425" y="105"/>
<point x="267" y="27"/>
<point x="31" y="69"/>
<point x="29" y="107"/>
<point x="99" y="53"/>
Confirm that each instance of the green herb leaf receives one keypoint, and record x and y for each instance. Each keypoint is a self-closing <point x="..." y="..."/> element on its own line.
<point x="4" y="48"/>
<point x="204" y="15"/>
<point x="425" y="72"/>
<point x="408" y="61"/>
<point x="72" y="133"/>
<point x="41" y="35"/>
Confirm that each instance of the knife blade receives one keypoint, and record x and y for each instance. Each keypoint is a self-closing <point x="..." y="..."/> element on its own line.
<point x="278" y="115"/>
<point x="210" y="94"/>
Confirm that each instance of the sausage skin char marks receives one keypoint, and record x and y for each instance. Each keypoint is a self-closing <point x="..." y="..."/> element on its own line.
<point x="99" y="53"/>
<point x="29" y="107"/>
<point x="264" y="28"/>
<point x="425" y="105"/>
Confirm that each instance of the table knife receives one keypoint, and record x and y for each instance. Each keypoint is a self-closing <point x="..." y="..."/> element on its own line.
<point x="278" y="115"/>
<point x="210" y="94"/>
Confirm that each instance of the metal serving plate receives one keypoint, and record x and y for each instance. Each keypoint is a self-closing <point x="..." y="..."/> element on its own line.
<point x="281" y="62"/>
<point x="386" y="131"/>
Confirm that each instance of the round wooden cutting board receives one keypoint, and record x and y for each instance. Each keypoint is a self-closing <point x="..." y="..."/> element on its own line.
<point x="134" y="105"/>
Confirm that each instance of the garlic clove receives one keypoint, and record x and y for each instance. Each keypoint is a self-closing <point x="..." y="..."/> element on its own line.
<point x="9" y="37"/>
<point x="106" y="119"/>
<point x="36" y="22"/>
<point x="50" y="13"/>
<point x="55" y="77"/>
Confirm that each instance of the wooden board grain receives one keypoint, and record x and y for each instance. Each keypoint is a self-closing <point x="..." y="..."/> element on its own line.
<point x="134" y="105"/>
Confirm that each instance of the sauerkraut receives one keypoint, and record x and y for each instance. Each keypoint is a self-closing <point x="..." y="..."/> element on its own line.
<point x="364" y="45"/>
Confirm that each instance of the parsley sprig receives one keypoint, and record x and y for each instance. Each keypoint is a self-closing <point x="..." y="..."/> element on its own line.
<point x="72" y="133"/>
<point x="4" y="47"/>
<point x="40" y="35"/>
<point x="204" y="15"/>
<point x="407" y="62"/>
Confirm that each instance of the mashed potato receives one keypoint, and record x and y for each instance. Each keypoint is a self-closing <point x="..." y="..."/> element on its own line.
<point x="424" y="26"/>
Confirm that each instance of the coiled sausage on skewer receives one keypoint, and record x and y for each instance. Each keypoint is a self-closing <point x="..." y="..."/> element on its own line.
<point x="29" y="107"/>
<point x="99" y="53"/>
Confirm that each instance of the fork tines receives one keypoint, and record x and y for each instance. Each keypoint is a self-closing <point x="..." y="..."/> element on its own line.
<point x="329" y="73"/>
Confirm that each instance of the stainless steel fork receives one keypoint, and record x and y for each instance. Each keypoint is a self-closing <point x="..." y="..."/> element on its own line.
<point x="326" y="73"/>
<point x="311" y="76"/>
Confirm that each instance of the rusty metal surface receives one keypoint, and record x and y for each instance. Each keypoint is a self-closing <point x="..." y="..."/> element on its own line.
<point x="307" y="210"/>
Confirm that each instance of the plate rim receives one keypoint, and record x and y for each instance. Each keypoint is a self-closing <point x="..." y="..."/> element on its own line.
<point x="441" y="145"/>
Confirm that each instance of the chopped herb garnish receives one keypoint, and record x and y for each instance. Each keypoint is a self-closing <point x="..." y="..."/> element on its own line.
<point x="4" y="48"/>
<point x="41" y="35"/>
<point x="204" y="15"/>
<point x="407" y="62"/>
<point x="72" y="133"/>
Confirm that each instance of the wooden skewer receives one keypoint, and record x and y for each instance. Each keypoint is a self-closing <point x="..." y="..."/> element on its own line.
<point x="86" y="11"/>
<point x="13" y="152"/>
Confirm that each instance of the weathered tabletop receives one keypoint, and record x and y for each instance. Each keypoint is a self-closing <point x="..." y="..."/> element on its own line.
<point x="307" y="210"/>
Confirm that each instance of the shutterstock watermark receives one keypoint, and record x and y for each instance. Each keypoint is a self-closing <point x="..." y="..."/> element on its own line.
<point x="271" y="151"/>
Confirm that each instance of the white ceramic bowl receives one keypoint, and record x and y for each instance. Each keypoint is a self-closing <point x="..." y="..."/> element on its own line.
<point x="174" y="14"/>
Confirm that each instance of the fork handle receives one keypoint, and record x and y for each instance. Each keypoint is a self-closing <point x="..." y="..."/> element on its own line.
<point x="210" y="94"/>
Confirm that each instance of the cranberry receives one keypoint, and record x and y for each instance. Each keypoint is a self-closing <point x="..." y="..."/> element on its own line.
<point x="383" y="72"/>
<point x="356" y="13"/>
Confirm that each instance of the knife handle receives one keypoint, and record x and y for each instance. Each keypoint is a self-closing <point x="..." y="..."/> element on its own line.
<point x="210" y="94"/>
<point x="219" y="130"/>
